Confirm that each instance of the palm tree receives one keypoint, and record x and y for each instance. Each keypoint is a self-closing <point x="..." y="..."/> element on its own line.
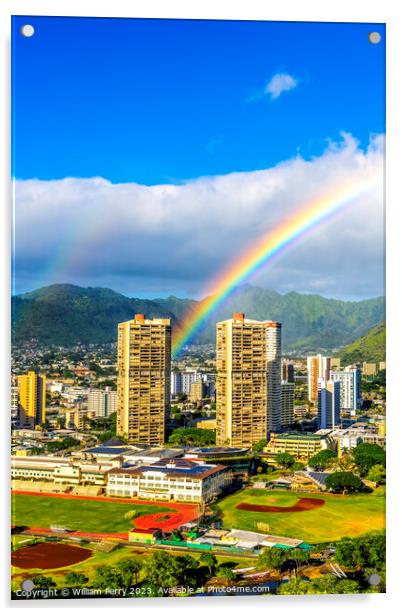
<point x="209" y="560"/>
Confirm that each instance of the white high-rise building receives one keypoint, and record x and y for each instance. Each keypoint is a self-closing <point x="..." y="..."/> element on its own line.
<point x="102" y="402"/>
<point x="187" y="379"/>
<point x="350" y="387"/>
<point x="329" y="409"/>
<point x="176" y="383"/>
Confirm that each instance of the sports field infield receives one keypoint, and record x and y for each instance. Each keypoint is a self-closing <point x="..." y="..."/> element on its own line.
<point x="339" y="516"/>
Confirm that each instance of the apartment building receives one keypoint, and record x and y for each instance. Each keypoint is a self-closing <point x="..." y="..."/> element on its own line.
<point x="143" y="383"/>
<point x="287" y="403"/>
<point x="329" y="405"/>
<point x="288" y="372"/>
<point x="318" y="367"/>
<point x="102" y="402"/>
<point x="31" y="400"/>
<point x="248" y="385"/>
<point x="350" y="387"/>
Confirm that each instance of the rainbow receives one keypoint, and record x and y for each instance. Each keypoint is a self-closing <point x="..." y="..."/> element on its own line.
<point x="270" y="246"/>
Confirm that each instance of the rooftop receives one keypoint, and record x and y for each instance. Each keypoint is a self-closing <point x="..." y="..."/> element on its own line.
<point x="299" y="436"/>
<point x="108" y="451"/>
<point x="176" y="468"/>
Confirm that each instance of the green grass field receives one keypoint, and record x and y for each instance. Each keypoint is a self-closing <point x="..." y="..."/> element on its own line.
<point x="87" y="516"/>
<point x="341" y="516"/>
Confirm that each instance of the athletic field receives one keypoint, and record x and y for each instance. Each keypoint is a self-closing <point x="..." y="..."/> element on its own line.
<point x="338" y="517"/>
<point x="92" y="515"/>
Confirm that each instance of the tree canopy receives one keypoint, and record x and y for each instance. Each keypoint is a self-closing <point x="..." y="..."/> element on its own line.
<point x="285" y="460"/>
<point x="322" y="460"/>
<point x="197" y="437"/>
<point x="367" y="455"/>
<point x="273" y="558"/>
<point x="366" y="551"/>
<point x="327" y="584"/>
<point x="344" y="481"/>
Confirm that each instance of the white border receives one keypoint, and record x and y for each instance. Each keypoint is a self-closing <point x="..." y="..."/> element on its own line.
<point x="379" y="11"/>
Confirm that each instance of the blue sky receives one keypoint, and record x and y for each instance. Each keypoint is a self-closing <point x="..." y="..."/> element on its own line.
<point x="238" y="119"/>
<point x="156" y="101"/>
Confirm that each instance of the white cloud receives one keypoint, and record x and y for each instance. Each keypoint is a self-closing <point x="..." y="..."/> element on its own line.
<point x="174" y="238"/>
<point x="281" y="82"/>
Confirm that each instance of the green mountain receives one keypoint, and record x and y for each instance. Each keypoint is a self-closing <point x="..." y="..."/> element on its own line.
<point x="67" y="314"/>
<point x="370" y="347"/>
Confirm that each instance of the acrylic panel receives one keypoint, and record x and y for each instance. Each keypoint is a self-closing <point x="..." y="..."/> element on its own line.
<point x="198" y="395"/>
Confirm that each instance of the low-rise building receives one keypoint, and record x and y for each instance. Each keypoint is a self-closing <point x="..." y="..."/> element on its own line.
<point x="197" y="391"/>
<point x="61" y="470"/>
<point x="137" y="535"/>
<point x="177" y="479"/>
<point x="300" y="445"/>
<point x="205" y="423"/>
<point x="351" y="437"/>
<point x="369" y="369"/>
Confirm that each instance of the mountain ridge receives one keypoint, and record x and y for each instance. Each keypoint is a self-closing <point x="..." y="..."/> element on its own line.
<point x="370" y="347"/>
<point x="66" y="314"/>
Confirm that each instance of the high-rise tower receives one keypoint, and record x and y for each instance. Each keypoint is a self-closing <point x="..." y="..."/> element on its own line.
<point x="248" y="386"/>
<point x="31" y="400"/>
<point x="143" y="384"/>
<point x="318" y="367"/>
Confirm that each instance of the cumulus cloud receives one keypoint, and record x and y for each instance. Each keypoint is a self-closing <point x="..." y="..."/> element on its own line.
<point x="281" y="82"/>
<point x="152" y="240"/>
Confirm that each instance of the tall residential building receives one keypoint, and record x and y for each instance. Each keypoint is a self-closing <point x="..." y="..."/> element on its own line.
<point x="287" y="403"/>
<point x="102" y="402"/>
<point x="248" y="384"/>
<point x="318" y="367"/>
<point x="143" y="382"/>
<point x="176" y="383"/>
<point x="288" y="372"/>
<point x="31" y="400"/>
<point x="350" y="387"/>
<point x="187" y="379"/>
<point x="329" y="408"/>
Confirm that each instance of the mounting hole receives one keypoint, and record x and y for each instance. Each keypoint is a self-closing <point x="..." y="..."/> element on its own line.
<point x="27" y="585"/>
<point x="374" y="37"/>
<point x="27" y="30"/>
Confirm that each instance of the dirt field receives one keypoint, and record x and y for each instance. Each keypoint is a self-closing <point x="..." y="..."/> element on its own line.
<point x="339" y="516"/>
<point x="49" y="555"/>
<point x="303" y="504"/>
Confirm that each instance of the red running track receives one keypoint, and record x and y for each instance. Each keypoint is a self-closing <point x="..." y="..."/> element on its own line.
<point x="164" y="520"/>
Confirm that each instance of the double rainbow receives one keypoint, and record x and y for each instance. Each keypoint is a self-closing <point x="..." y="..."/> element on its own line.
<point x="271" y="245"/>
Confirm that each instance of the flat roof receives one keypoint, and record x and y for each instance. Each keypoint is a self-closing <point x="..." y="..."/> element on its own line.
<point x="299" y="436"/>
<point x="206" y="450"/>
<point x="198" y="471"/>
<point x="110" y="451"/>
